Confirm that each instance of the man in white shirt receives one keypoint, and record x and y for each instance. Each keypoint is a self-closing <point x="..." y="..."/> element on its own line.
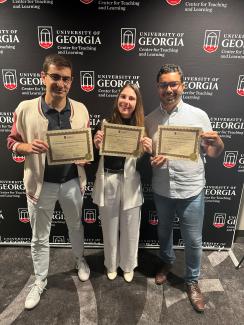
<point x="178" y="185"/>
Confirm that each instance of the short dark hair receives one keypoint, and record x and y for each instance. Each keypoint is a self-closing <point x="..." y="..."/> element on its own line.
<point x="57" y="60"/>
<point x="169" y="67"/>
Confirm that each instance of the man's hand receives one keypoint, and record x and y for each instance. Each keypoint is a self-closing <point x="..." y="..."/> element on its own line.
<point x="212" y="143"/>
<point x="210" y="137"/>
<point x="158" y="161"/>
<point x="36" y="147"/>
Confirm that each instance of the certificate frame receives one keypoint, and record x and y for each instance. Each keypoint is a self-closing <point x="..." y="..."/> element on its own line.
<point x="113" y="132"/>
<point x="178" y="142"/>
<point x="63" y="146"/>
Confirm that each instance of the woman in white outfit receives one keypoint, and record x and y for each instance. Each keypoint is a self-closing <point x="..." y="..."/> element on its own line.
<point x="117" y="190"/>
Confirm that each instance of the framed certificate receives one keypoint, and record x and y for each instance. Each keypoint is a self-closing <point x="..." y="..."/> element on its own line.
<point x="121" y="140"/>
<point x="68" y="146"/>
<point x="178" y="142"/>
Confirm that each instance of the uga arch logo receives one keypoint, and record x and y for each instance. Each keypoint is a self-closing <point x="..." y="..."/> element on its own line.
<point x="240" y="86"/>
<point x="128" y="39"/>
<point x="9" y="79"/>
<point x="87" y="80"/>
<point x="58" y="239"/>
<point x="45" y="36"/>
<point x="89" y="215"/>
<point x="230" y="158"/>
<point x="153" y="218"/>
<point x="86" y="2"/>
<point x="211" y="40"/>
<point x="219" y="220"/>
<point x="23" y="215"/>
<point x="173" y="2"/>
<point x="18" y="158"/>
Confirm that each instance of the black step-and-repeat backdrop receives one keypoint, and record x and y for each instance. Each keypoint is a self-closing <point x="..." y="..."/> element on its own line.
<point x="109" y="43"/>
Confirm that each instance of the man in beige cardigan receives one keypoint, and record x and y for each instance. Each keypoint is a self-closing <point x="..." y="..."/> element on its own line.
<point x="45" y="184"/>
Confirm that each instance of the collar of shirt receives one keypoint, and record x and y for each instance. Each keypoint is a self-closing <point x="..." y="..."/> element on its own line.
<point x="47" y="109"/>
<point x="177" y="108"/>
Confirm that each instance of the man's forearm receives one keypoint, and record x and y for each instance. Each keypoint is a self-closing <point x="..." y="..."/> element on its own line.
<point x="23" y="148"/>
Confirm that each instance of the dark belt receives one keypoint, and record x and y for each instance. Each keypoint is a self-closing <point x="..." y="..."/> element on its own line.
<point x="114" y="171"/>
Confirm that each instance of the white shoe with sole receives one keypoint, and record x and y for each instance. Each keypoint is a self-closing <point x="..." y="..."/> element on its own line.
<point x="112" y="275"/>
<point x="128" y="276"/>
<point x="33" y="297"/>
<point x="83" y="270"/>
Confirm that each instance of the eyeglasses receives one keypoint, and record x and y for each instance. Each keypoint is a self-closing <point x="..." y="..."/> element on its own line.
<point x="56" y="77"/>
<point x="174" y="85"/>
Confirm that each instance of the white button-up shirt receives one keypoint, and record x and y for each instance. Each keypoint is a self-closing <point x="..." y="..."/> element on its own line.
<point x="178" y="178"/>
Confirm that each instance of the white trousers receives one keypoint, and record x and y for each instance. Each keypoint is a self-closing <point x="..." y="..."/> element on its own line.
<point x="120" y="227"/>
<point x="70" y="199"/>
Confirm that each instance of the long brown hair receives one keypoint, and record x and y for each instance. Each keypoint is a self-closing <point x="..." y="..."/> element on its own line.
<point x="138" y="112"/>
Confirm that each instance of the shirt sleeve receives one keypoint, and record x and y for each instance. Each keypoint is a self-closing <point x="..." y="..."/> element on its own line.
<point x="14" y="138"/>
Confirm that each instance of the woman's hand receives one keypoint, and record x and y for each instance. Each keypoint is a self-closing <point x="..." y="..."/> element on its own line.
<point x="98" y="139"/>
<point x="82" y="163"/>
<point x="146" y="144"/>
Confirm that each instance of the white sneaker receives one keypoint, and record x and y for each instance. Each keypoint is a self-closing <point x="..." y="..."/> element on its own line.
<point x="112" y="275"/>
<point x="128" y="276"/>
<point x="34" y="295"/>
<point x="83" y="270"/>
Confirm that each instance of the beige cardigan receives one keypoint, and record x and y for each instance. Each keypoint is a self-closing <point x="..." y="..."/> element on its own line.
<point x="29" y="124"/>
